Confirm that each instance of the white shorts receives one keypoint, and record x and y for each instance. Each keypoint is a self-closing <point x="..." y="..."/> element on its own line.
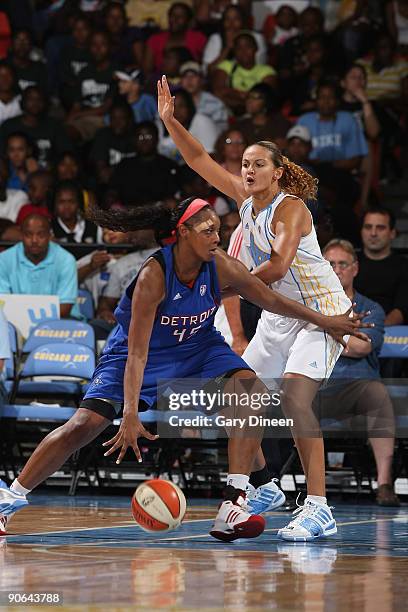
<point x="282" y="345"/>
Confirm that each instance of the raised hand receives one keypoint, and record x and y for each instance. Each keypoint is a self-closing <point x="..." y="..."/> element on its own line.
<point x="165" y="101"/>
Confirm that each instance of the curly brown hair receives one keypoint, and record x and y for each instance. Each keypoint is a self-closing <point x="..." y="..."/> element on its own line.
<point x="295" y="180"/>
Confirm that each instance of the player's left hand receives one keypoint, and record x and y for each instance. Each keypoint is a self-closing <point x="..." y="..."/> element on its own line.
<point x="347" y="324"/>
<point x="129" y="431"/>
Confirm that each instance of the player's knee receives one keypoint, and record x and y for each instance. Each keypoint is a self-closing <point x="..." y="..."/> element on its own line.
<point x="81" y="427"/>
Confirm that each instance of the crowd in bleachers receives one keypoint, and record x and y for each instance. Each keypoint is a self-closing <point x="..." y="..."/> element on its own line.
<point x="327" y="80"/>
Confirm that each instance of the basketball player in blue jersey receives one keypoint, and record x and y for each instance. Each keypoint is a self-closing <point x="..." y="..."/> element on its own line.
<point x="166" y="329"/>
<point x="281" y="243"/>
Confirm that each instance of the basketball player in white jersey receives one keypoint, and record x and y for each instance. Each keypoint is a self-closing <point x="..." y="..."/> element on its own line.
<point x="279" y="236"/>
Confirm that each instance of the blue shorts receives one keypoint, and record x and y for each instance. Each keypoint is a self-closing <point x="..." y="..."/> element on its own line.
<point x="209" y="361"/>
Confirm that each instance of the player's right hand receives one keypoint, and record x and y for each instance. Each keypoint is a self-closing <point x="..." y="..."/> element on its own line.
<point x="129" y="431"/>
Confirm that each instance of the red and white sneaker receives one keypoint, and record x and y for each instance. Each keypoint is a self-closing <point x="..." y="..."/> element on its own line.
<point x="3" y="524"/>
<point x="232" y="522"/>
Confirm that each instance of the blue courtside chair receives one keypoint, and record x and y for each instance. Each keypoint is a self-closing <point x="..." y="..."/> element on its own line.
<point x="72" y="365"/>
<point x="57" y="331"/>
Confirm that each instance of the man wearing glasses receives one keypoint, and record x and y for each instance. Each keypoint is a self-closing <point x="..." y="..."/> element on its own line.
<point x="355" y="394"/>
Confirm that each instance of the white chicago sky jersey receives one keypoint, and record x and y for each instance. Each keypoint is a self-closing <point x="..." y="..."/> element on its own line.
<point x="310" y="278"/>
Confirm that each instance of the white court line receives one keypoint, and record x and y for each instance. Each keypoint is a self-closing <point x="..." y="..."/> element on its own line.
<point x="70" y="530"/>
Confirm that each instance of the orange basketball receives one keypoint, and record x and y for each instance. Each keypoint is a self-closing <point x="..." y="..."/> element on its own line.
<point x="158" y="505"/>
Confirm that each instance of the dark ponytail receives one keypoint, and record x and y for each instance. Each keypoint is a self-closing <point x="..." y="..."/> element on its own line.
<point x="158" y="217"/>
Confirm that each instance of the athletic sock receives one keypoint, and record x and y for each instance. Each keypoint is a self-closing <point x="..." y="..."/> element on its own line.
<point x="239" y="481"/>
<point x="16" y="487"/>
<point x="260" y="477"/>
<point x="317" y="499"/>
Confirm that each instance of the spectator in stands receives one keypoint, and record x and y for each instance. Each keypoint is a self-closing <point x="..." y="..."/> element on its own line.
<point x="143" y="105"/>
<point x="200" y="126"/>
<point x="74" y="57"/>
<point x="356" y="377"/>
<point x="28" y="72"/>
<point x="114" y="142"/>
<point x="229" y="149"/>
<point x="149" y="176"/>
<point x="220" y="45"/>
<point x="39" y="187"/>
<point x="37" y="266"/>
<point x="126" y="41"/>
<point x="20" y="157"/>
<point x="47" y="134"/>
<point x="298" y="150"/>
<point x="291" y="56"/>
<point x="5" y="353"/>
<point x="94" y="268"/>
<point x="9" y="100"/>
<point x="95" y="90"/>
<point x="68" y="224"/>
<point x="229" y="222"/>
<point x="68" y="168"/>
<point x="124" y="271"/>
<point x="193" y="185"/>
<point x="192" y="80"/>
<point x="173" y="59"/>
<point x="263" y="120"/>
<point x="232" y="79"/>
<point x="397" y="22"/>
<point x="209" y="13"/>
<point x="278" y="28"/>
<point x="355" y="100"/>
<point x="339" y="146"/>
<point x="383" y="275"/>
<point x="178" y="34"/>
<point x="11" y="200"/>
<point x="302" y="94"/>
<point x="385" y="72"/>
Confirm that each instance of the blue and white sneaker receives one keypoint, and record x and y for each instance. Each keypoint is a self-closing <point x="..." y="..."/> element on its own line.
<point x="265" y="498"/>
<point x="313" y="521"/>
<point x="10" y="502"/>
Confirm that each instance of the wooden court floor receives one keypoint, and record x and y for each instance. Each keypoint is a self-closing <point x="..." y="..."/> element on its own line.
<point x="90" y="551"/>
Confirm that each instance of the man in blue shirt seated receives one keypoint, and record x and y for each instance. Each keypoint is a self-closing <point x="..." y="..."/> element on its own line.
<point x="355" y="389"/>
<point x="37" y="266"/>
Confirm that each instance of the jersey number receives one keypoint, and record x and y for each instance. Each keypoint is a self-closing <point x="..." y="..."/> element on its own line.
<point x="181" y="333"/>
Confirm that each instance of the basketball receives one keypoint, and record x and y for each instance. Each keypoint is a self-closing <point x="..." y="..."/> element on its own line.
<point x="158" y="505"/>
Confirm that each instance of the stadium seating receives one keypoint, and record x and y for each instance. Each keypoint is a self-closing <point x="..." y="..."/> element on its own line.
<point x="60" y="331"/>
<point x="58" y="362"/>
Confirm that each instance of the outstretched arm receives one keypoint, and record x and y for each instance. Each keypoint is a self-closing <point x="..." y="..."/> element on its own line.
<point x="233" y="274"/>
<point x="193" y="152"/>
<point x="148" y="294"/>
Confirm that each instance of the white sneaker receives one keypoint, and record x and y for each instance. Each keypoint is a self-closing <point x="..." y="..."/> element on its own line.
<point x="10" y="502"/>
<point x="313" y="521"/>
<point x="233" y="522"/>
<point x="265" y="498"/>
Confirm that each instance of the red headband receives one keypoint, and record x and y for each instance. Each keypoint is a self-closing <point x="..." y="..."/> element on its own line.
<point x="194" y="207"/>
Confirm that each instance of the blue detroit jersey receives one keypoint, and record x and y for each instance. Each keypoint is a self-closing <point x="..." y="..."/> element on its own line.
<point x="185" y="318"/>
<point x="184" y="342"/>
